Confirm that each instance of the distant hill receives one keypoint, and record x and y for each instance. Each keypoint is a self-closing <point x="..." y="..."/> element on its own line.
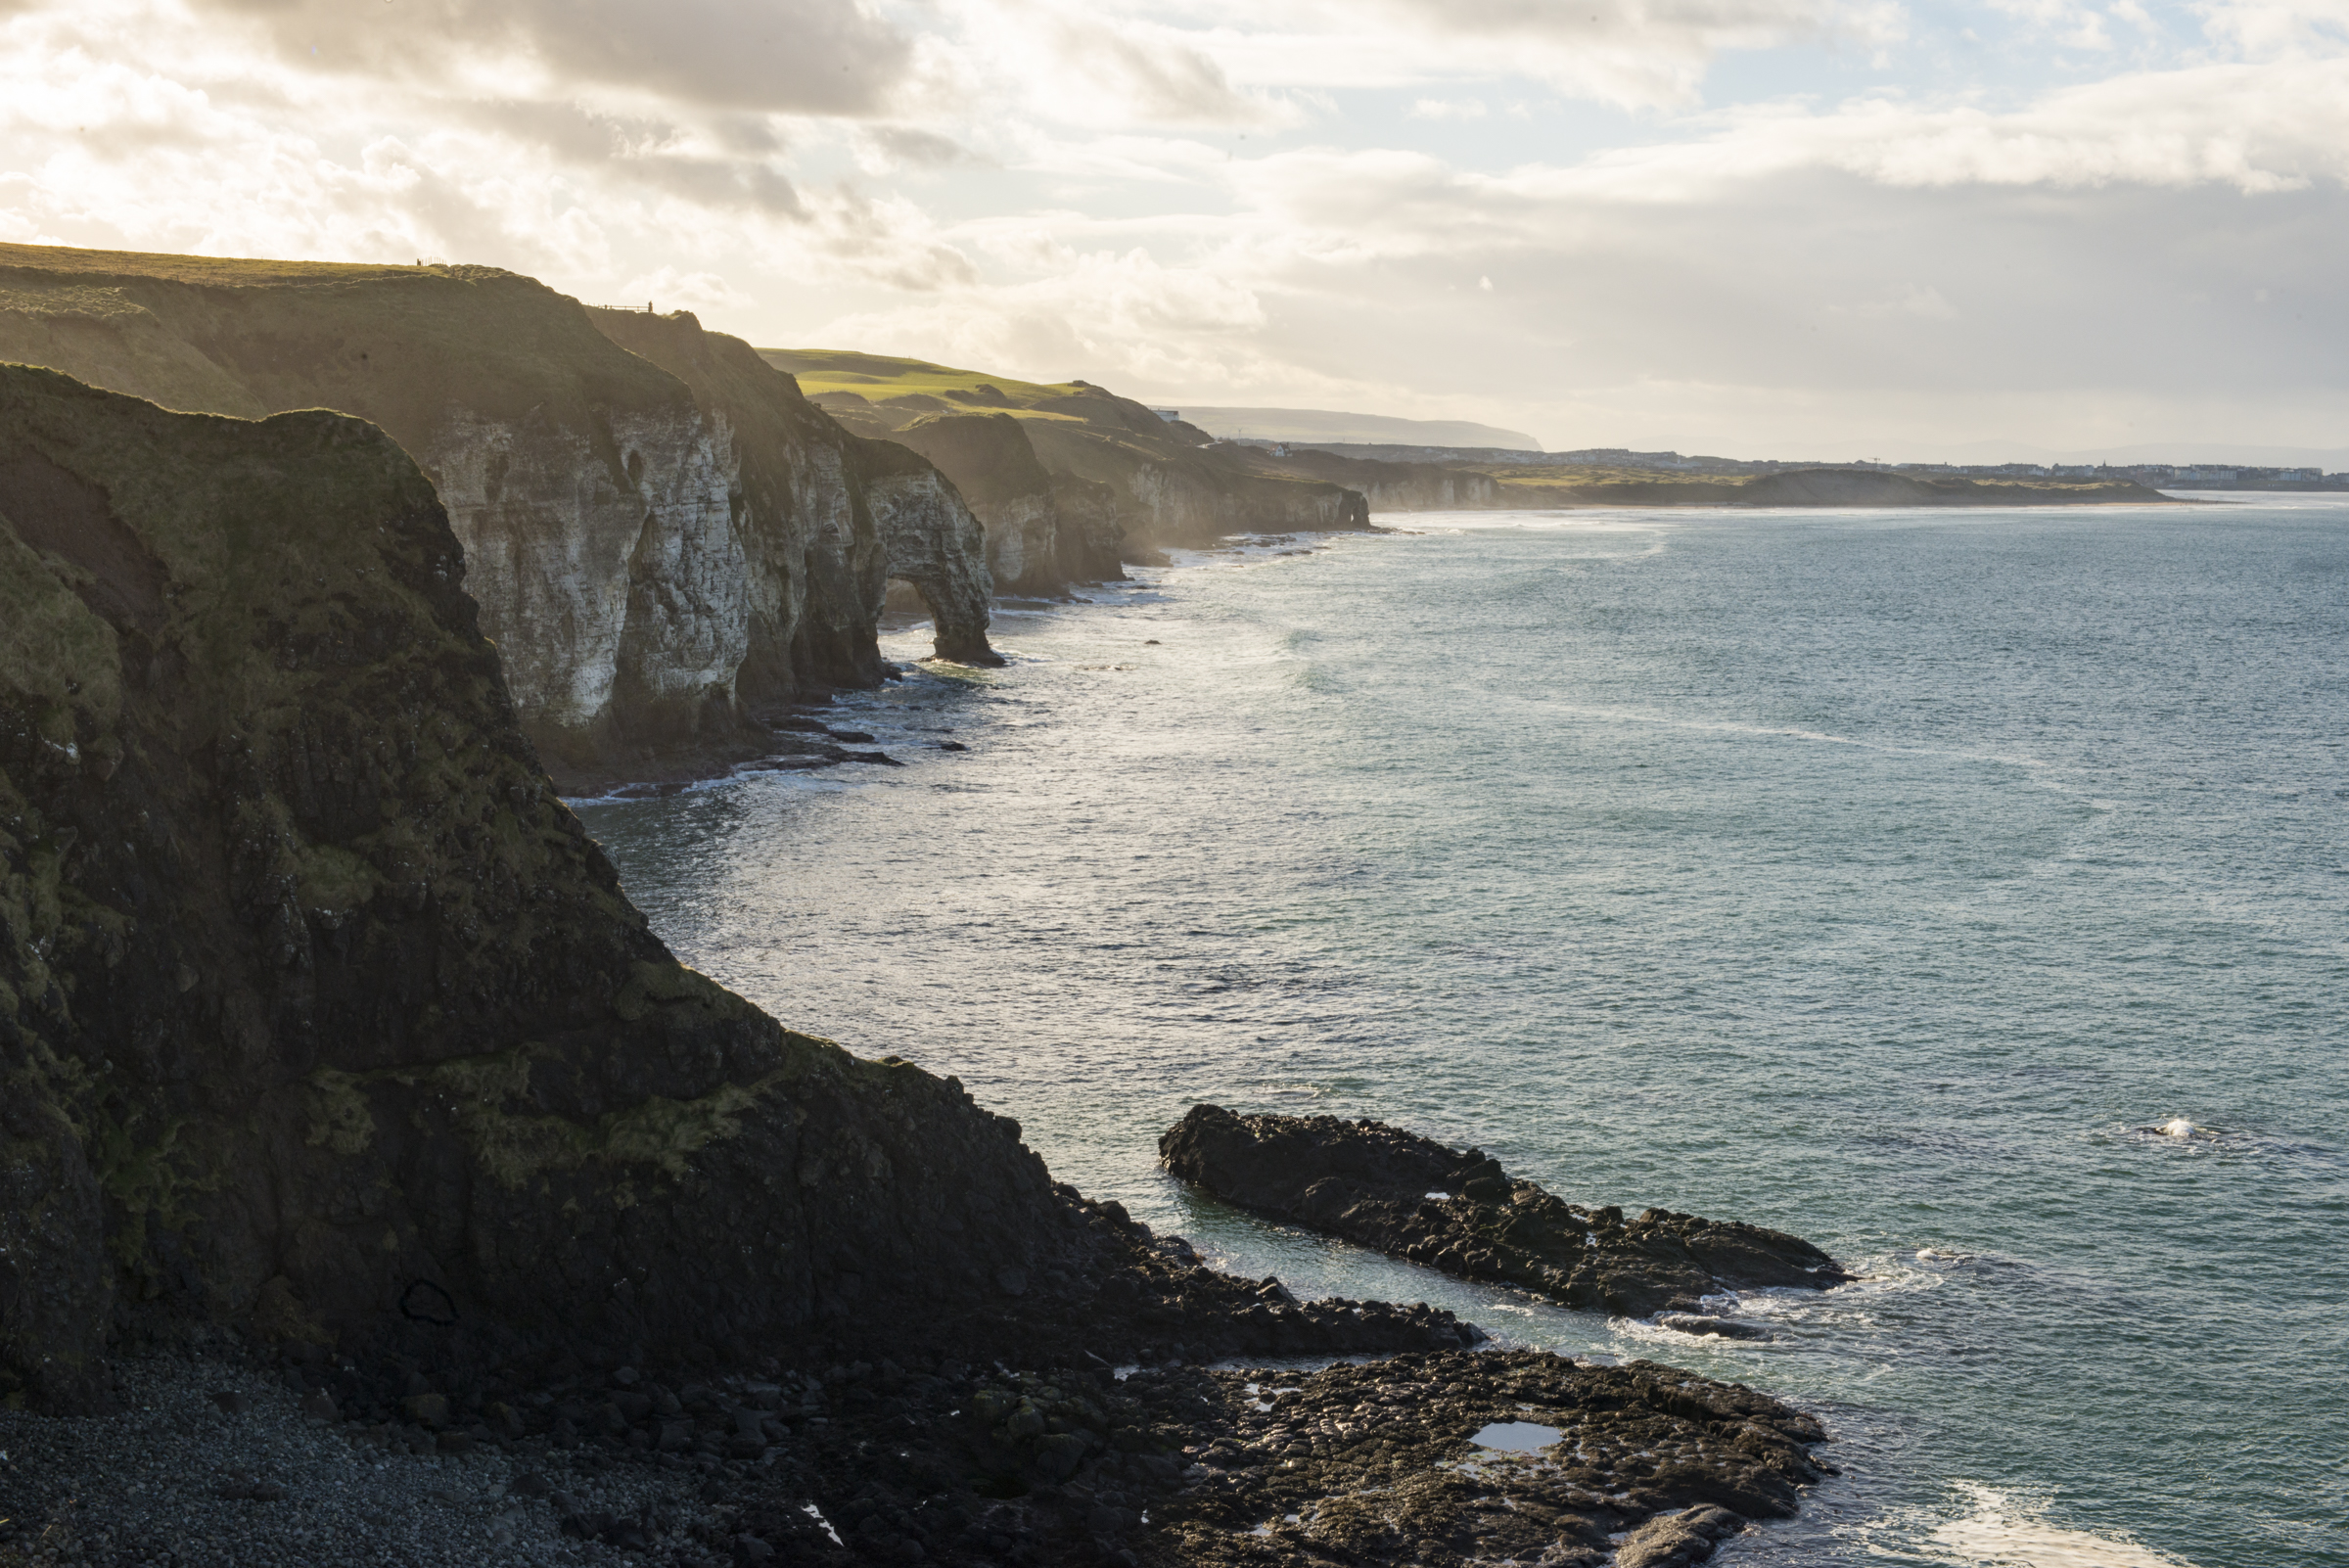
<point x="1328" y="425"/>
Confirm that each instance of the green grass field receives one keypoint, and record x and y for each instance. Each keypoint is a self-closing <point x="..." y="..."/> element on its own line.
<point x="879" y="377"/>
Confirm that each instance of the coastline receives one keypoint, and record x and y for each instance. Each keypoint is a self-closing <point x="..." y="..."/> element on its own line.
<point x="1055" y="1518"/>
<point x="1284" y="730"/>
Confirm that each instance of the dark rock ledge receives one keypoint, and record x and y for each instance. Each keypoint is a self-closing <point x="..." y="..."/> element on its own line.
<point x="310" y="1457"/>
<point x="1459" y="1211"/>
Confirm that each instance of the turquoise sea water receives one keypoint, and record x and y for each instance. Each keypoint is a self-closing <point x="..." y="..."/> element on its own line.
<point x="1893" y="879"/>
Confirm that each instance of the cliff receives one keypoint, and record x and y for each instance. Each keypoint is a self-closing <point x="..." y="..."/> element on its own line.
<point x="1396" y="487"/>
<point x="877" y="514"/>
<point x="320" y="1016"/>
<point x="664" y="551"/>
<point x="1162" y="484"/>
<point x="325" y="1027"/>
<point x="1044" y="531"/>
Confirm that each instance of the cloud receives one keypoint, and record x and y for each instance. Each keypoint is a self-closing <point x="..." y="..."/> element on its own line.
<point x="2071" y="24"/>
<point x="1919" y="299"/>
<point x="793" y="55"/>
<point x="668" y="289"/>
<point x="1093" y="65"/>
<point x="884" y="148"/>
<point x="1629" y="53"/>
<point x="2270" y="29"/>
<point x="1206" y="199"/>
<point x="1121" y="313"/>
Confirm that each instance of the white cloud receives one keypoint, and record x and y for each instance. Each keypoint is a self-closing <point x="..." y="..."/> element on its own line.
<point x="672" y="290"/>
<point x="805" y="56"/>
<point x="2278" y="28"/>
<point x="1246" y="199"/>
<point x="1919" y="299"/>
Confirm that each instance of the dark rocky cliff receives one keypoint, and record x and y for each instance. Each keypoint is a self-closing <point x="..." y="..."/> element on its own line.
<point x="320" y="1016"/>
<point x="662" y="550"/>
<point x="323" y="1026"/>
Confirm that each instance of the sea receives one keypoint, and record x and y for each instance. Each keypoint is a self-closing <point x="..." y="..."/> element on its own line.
<point x="1966" y="892"/>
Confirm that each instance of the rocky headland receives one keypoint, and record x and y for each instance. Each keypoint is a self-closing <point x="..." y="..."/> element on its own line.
<point x="1459" y="1210"/>
<point x="669" y="544"/>
<point x="1100" y="467"/>
<point x="342" y="1091"/>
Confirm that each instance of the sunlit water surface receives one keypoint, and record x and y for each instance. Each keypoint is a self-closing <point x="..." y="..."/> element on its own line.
<point x="1963" y="892"/>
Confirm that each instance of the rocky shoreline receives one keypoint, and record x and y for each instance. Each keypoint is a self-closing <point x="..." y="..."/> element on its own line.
<point x="236" y="1458"/>
<point x="343" y="1089"/>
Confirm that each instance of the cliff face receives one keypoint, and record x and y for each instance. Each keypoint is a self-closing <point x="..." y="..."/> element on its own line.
<point x="1115" y="467"/>
<point x="1398" y="486"/>
<point x="1192" y="499"/>
<point x="935" y="543"/>
<point x="666" y="539"/>
<point x="1043" y="531"/>
<point x="873" y="512"/>
<point x="318" y="1011"/>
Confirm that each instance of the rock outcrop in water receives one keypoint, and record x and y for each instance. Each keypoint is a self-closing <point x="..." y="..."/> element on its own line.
<point x="668" y="542"/>
<point x="1404" y="1194"/>
<point x="320" y="1014"/>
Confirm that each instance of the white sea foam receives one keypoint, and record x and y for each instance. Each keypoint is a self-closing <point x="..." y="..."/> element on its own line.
<point x="1999" y="1529"/>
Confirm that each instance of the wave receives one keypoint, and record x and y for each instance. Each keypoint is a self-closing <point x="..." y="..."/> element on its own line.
<point x="2001" y="1529"/>
<point x="1731" y="726"/>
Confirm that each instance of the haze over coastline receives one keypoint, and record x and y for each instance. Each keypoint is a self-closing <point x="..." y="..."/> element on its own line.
<point x="1847" y="227"/>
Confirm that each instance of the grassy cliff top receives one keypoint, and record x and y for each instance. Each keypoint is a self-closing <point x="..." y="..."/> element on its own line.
<point x="216" y="271"/>
<point x="401" y="346"/>
<point x="880" y="378"/>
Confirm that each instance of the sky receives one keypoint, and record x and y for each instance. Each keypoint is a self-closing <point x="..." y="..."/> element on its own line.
<point x="1898" y="229"/>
